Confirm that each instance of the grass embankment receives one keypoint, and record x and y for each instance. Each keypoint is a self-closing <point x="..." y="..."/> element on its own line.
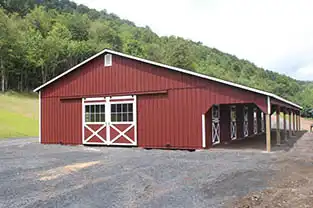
<point x="18" y="115"/>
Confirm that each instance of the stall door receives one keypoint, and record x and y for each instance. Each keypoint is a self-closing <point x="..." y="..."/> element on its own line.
<point x="94" y="121"/>
<point x="233" y="123"/>
<point x="110" y="120"/>
<point x="122" y="125"/>
<point x="255" y="120"/>
<point x="245" y="122"/>
<point x="215" y="124"/>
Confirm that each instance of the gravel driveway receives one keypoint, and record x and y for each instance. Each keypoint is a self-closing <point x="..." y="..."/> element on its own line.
<point x="35" y="175"/>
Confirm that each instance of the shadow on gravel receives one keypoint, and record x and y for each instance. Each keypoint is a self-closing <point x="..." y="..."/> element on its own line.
<point x="258" y="142"/>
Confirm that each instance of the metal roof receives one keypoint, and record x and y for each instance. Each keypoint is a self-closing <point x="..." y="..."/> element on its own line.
<point x="171" y="68"/>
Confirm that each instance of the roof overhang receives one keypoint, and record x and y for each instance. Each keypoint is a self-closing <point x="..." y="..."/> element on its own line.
<point x="171" y="68"/>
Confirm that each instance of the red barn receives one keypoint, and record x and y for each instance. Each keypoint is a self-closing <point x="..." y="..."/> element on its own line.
<point x="116" y="99"/>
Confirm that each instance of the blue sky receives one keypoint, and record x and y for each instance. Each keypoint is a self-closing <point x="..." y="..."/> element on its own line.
<point x="274" y="34"/>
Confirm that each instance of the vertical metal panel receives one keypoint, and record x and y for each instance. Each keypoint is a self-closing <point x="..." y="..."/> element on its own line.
<point x="208" y="128"/>
<point x="128" y="76"/>
<point x="48" y="125"/>
<point x="124" y="75"/>
<point x="39" y="115"/>
<point x="169" y="121"/>
<point x="61" y="121"/>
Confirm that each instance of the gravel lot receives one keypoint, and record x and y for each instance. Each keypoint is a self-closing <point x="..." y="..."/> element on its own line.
<point x="292" y="185"/>
<point x="35" y="175"/>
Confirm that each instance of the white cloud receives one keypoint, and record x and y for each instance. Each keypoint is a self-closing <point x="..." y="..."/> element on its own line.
<point x="305" y="73"/>
<point x="269" y="33"/>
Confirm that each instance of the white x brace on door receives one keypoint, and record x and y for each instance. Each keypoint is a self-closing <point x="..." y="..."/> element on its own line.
<point x="109" y="120"/>
<point x="215" y="124"/>
<point x="245" y="122"/>
<point x="233" y="124"/>
<point x="255" y="120"/>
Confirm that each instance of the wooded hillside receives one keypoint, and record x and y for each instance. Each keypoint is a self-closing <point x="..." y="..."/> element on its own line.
<point x="42" y="38"/>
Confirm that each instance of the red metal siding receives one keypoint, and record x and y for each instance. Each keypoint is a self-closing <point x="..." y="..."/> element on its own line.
<point x="171" y="119"/>
<point x="208" y="128"/>
<point x="61" y="121"/>
<point x="128" y="76"/>
<point x="124" y="76"/>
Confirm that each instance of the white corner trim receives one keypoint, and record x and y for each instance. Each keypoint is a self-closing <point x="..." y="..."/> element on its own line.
<point x="172" y="68"/>
<point x="268" y="105"/>
<point x="39" y="122"/>
<point x="83" y="121"/>
<point x="203" y="131"/>
<point x="135" y="119"/>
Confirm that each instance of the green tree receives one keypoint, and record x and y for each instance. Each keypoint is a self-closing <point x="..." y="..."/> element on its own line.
<point x="4" y="45"/>
<point x="34" y="41"/>
<point x="47" y="37"/>
<point x="78" y="25"/>
<point x="179" y="54"/>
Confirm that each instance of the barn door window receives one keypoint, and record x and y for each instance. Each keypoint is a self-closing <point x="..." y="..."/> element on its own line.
<point x="255" y="120"/>
<point x="245" y="122"/>
<point x="233" y="124"/>
<point x="215" y="124"/>
<point x="122" y="112"/>
<point x="94" y="113"/>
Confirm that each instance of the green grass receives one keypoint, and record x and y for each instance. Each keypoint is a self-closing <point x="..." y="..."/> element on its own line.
<point x="18" y="115"/>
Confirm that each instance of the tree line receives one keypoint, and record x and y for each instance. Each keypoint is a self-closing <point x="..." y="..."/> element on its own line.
<point x="40" y="39"/>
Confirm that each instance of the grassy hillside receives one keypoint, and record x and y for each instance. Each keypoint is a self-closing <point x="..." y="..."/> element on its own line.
<point x="18" y="115"/>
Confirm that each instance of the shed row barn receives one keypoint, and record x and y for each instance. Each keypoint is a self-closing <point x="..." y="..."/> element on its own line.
<point x="115" y="99"/>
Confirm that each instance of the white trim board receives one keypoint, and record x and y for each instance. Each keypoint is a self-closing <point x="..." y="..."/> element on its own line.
<point x="171" y="68"/>
<point x="39" y="123"/>
<point x="203" y="131"/>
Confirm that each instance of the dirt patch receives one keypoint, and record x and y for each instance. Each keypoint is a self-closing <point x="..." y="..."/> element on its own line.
<point x="291" y="186"/>
<point x="65" y="170"/>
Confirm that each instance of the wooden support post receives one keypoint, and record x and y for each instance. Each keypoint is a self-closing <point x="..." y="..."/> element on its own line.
<point x="296" y="117"/>
<point x="268" y="132"/>
<point x="299" y="121"/>
<point x="268" y="125"/>
<point x="293" y="124"/>
<point x="285" y="127"/>
<point x="278" y="125"/>
<point x="290" y="134"/>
